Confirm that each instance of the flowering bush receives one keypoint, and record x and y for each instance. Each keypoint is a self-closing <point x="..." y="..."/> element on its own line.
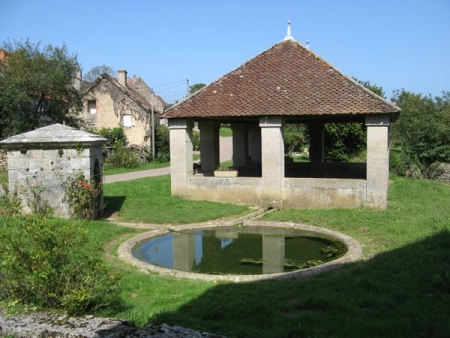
<point x="83" y="196"/>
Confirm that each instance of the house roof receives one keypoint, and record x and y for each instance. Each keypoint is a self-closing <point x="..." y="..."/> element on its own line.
<point x="287" y="79"/>
<point x="134" y="95"/>
<point x="55" y="134"/>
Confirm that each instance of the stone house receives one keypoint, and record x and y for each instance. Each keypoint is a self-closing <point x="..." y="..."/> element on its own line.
<point x="122" y="102"/>
<point x="287" y="83"/>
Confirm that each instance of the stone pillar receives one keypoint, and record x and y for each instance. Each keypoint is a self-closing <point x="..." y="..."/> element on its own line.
<point x="209" y="145"/>
<point x="240" y="145"/>
<point x="377" y="161"/>
<point x="272" y="157"/>
<point x="181" y="155"/>
<point x="254" y="149"/>
<point x="316" y="148"/>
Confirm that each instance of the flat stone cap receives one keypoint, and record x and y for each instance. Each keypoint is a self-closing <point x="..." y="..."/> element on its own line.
<point x="53" y="136"/>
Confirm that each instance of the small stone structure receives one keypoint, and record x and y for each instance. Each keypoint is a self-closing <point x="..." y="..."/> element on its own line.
<point x="46" y="158"/>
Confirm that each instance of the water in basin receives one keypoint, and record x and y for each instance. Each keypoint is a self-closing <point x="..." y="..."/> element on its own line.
<point x="239" y="250"/>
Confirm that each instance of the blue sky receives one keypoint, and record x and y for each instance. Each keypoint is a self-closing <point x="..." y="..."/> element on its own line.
<point x="391" y="43"/>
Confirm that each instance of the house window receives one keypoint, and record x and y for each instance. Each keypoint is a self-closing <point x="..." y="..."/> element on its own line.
<point x="126" y="120"/>
<point x="92" y="106"/>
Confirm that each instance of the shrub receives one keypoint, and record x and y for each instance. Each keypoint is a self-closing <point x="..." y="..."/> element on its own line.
<point x="162" y="144"/>
<point x="115" y="136"/>
<point x="11" y="202"/>
<point x="123" y="157"/>
<point x="195" y="140"/>
<point x="83" y="196"/>
<point x="51" y="263"/>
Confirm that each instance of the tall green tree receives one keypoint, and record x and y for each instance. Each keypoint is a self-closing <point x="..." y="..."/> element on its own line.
<point x="422" y="131"/>
<point x="95" y="72"/>
<point x="196" y="87"/>
<point x="345" y="141"/>
<point x="36" y="86"/>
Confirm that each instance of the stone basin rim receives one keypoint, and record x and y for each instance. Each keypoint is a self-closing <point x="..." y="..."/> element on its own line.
<point x="353" y="254"/>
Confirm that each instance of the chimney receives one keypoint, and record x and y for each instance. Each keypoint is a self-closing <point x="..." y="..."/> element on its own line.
<point x="122" y="77"/>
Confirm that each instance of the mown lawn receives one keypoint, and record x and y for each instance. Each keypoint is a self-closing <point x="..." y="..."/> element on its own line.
<point x="400" y="289"/>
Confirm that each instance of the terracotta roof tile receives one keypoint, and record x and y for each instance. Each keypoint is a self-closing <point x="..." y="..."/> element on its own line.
<point x="287" y="79"/>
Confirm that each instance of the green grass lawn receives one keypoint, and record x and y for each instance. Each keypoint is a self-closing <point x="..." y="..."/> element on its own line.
<point x="148" y="200"/>
<point x="146" y="166"/>
<point x="400" y="289"/>
<point x="225" y="131"/>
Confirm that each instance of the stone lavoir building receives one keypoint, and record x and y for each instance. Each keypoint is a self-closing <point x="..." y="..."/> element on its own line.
<point x="287" y="83"/>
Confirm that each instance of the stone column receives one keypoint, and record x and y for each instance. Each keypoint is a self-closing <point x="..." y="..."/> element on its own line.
<point x="272" y="157"/>
<point x="377" y="161"/>
<point x="240" y="146"/>
<point x="316" y="148"/>
<point x="181" y="153"/>
<point x="209" y="145"/>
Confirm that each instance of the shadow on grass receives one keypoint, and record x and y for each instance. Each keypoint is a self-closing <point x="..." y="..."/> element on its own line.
<point x="113" y="204"/>
<point x="401" y="293"/>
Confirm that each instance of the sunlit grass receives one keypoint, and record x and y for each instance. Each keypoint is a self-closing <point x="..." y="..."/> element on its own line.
<point x="146" y="166"/>
<point x="149" y="200"/>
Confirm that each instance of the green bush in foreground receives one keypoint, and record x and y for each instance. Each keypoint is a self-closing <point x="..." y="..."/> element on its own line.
<point x="51" y="263"/>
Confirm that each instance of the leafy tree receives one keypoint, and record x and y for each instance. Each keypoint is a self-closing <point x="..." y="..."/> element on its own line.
<point x="422" y="132"/>
<point x="294" y="137"/>
<point x="98" y="71"/>
<point x="196" y="87"/>
<point x="345" y="141"/>
<point x="36" y="86"/>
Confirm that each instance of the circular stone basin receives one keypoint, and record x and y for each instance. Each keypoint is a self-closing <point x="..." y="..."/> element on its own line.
<point x="257" y="250"/>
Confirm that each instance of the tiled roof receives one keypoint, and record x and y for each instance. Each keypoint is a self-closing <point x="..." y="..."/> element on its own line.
<point x="134" y="95"/>
<point x="287" y="79"/>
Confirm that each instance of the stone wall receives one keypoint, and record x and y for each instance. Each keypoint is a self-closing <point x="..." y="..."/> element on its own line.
<point x="47" y="170"/>
<point x="41" y="324"/>
<point x="3" y="160"/>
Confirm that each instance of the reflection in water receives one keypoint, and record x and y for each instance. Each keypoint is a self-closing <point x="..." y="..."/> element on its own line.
<point x="238" y="250"/>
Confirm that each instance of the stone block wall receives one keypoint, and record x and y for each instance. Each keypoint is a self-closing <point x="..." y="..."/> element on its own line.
<point x="3" y="160"/>
<point x="49" y="169"/>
